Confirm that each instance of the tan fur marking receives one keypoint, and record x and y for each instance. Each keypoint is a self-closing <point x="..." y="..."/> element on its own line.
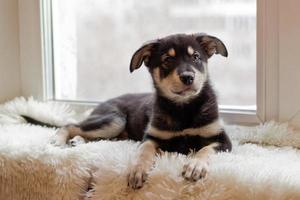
<point x="110" y="131"/>
<point x="206" y="151"/>
<point x="138" y="173"/>
<point x="172" y="52"/>
<point x="147" y="152"/>
<point x="190" y="50"/>
<point x="73" y="131"/>
<point x="209" y="130"/>
<point x="156" y="75"/>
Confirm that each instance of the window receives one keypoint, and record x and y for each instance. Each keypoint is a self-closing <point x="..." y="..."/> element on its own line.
<point x="92" y="43"/>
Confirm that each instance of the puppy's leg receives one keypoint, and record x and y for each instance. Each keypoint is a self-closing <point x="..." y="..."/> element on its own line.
<point x="138" y="174"/>
<point x="103" y="127"/>
<point x="95" y="127"/>
<point x="197" y="167"/>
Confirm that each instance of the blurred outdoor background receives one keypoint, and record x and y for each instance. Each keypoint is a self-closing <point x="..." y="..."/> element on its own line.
<point x="95" y="39"/>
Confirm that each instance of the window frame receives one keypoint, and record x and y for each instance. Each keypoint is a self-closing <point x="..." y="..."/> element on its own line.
<point x="266" y="66"/>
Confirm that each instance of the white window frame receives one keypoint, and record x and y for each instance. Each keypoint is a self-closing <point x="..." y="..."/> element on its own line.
<point x="267" y="66"/>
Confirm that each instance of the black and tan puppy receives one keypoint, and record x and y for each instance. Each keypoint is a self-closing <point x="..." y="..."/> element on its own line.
<point x="180" y="116"/>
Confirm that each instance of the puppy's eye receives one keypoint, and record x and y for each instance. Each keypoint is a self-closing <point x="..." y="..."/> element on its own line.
<point x="168" y="59"/>
<point x="196" y="56"/>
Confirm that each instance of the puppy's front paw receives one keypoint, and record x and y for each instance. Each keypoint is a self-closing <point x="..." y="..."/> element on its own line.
<point x="195" y="169"/>
<point x="137" y="177"/>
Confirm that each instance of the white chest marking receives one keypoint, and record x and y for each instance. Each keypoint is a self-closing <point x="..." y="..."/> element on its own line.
<point x="206" y="131"/>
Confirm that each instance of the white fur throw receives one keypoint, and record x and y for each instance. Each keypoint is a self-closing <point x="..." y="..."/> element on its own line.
<point x="264" y="163"/>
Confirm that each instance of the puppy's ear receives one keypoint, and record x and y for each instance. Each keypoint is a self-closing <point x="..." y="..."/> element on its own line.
<point x="212" y="45"/>
<point x="142" y="55"/>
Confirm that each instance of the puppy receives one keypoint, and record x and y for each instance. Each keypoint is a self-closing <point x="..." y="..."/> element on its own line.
<point x="180" y="116"/>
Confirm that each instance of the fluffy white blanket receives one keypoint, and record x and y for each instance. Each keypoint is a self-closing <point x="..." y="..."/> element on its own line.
<point x="264" y="163"/>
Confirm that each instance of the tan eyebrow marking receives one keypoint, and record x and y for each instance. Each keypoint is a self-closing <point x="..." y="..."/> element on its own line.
<point x="172" y="52"/>
<point x="190" y="50"/>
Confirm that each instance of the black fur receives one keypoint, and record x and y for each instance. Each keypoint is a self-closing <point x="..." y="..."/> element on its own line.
<point x="36" y="122"/>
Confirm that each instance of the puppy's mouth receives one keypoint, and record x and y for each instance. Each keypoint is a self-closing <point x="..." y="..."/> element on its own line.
<point x="185" y="90"/>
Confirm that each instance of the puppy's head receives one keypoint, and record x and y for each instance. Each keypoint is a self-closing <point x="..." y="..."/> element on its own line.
<point x="178" y="63"/>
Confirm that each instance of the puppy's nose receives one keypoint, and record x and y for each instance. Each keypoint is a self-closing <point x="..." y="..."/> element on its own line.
<point x="187" y="78"/>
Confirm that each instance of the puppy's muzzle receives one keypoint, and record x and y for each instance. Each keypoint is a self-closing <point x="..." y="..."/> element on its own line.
<point x="187" y="78"/>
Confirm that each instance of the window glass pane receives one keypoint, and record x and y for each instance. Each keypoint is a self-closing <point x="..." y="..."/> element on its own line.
<point x="94" y="41"/>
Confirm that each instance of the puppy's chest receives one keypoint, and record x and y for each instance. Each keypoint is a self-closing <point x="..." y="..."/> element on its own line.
<point x="176" y="122"/>
<point x="183" y="144"/>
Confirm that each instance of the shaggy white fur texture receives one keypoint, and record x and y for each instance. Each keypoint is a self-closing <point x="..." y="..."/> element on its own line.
<point x="264" y="163"/>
